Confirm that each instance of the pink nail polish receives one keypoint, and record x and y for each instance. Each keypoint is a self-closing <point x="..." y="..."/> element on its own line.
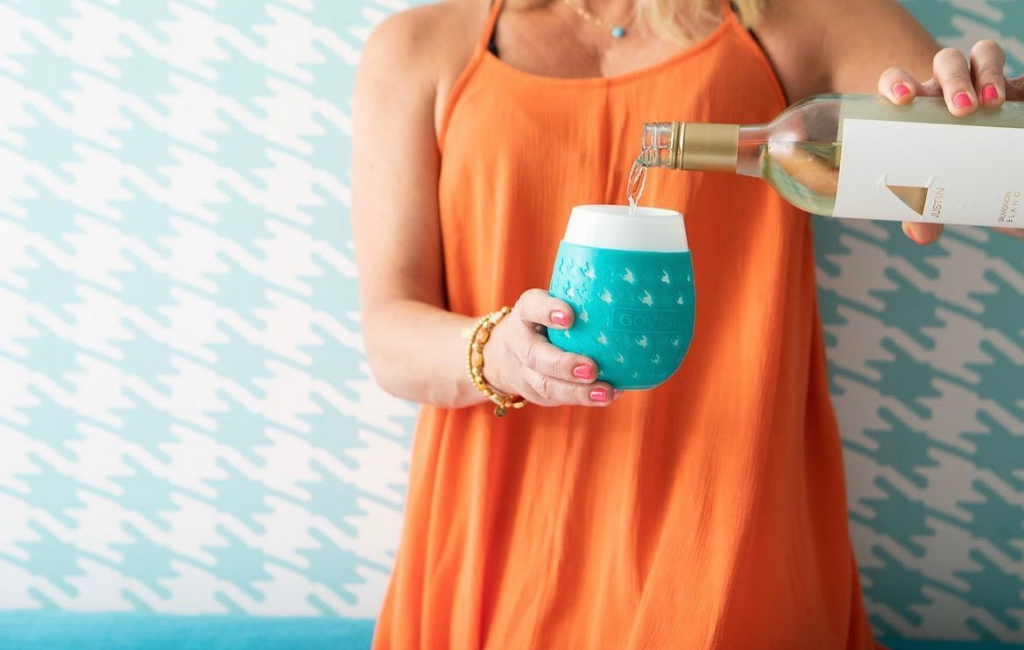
<point x="559" y="318"/>
<point x="962" y="100"/>
<point x="989" y="92"/>
<point x="599" y="395"/>
<point x="900" y="90"/>
<point x="583" y="371"/>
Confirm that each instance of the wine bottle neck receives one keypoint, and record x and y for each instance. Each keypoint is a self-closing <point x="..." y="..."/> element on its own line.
<point x="706" y="147"/>
<point x="703" y="147"/>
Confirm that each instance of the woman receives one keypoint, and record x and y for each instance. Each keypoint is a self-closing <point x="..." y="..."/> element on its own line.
<point x="708" y="513"/>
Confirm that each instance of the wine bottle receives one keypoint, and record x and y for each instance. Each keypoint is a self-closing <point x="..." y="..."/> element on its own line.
<point x="860" y="156"/>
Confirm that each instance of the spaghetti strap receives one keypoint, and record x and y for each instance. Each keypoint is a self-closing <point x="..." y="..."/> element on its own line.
<point x="492" y="21"/>
<point x="729" y="11"/>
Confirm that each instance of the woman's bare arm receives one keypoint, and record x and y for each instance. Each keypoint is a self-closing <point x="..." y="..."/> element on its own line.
<point x="414" y="345"/>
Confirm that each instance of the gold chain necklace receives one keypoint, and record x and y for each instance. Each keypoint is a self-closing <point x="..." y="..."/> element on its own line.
<point x="617" y="31"/>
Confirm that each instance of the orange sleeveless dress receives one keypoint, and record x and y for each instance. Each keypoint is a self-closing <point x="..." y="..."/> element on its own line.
<point x="709" y="513"/>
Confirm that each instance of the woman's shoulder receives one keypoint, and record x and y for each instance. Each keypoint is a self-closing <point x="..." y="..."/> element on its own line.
<point x="430" y="36"/>
<point x="432" y="23"/>
<point x="427" y="46"/>
<point x="840" y="46"/>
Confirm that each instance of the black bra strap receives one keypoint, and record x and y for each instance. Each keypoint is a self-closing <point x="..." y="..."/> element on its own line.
<point x="492" y="40"/>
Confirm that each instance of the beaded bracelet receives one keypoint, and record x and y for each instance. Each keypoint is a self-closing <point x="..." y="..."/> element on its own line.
<point x="479" y="335"/>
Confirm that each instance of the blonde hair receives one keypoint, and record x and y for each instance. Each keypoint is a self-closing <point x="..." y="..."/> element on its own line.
<point x="675" y="21"/>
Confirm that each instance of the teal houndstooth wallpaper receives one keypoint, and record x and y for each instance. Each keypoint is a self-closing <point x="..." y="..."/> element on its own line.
<point x="187" y="423"/>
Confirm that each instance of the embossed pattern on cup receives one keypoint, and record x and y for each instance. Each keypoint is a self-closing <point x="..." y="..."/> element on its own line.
<point x="634" y="311"/>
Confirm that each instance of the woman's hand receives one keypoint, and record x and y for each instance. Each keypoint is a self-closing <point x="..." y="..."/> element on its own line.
<point x="519" y="359"/>
<point x="966" y="86"/>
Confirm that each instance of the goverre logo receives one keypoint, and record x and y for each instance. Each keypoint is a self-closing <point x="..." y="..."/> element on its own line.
<point x="652" y="321"/>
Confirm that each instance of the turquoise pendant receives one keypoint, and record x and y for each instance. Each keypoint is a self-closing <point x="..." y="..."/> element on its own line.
<point x="618" y="31"/>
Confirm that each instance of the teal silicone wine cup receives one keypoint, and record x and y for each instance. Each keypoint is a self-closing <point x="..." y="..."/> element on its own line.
<point x="629" y="281"/>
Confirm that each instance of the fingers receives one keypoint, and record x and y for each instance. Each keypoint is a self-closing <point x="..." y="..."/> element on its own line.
<point x="538" y="307"/>
<point x="546" y="359"/>
<point x="965" y="85"/>
<point x="549" y="391"/>
<point x="529" y="365"/>
<point x="898" y="86"/>
<point x="954" y="77"/>
<point x="987" y="61"/>
<point x="922" y="233"/>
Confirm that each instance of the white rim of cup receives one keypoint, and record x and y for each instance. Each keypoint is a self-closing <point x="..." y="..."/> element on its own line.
<point x="655" y="230"/>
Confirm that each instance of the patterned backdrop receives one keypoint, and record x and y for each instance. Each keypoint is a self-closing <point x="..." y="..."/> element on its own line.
<point x="187" y="422"/>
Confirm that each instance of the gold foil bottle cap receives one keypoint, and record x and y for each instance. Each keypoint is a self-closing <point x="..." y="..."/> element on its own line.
<point x="693" y="145"/>
<point x="708" y="147"/>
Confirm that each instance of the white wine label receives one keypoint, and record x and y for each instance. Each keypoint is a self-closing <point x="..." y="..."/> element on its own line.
<point x="938" y="173"/>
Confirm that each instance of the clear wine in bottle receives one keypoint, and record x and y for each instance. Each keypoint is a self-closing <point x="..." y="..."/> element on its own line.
<point x="860" y="156"/>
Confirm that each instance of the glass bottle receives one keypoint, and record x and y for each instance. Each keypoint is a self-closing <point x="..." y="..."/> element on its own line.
<point x="860" y="156"/>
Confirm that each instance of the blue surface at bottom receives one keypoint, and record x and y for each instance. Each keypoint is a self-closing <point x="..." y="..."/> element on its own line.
<point x="905" y="644"/>
<point x="130" y="631"/>
<point x="53" y="630"/>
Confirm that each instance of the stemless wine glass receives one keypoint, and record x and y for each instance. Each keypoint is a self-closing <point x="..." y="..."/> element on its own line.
<point x="629" y="281"/>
